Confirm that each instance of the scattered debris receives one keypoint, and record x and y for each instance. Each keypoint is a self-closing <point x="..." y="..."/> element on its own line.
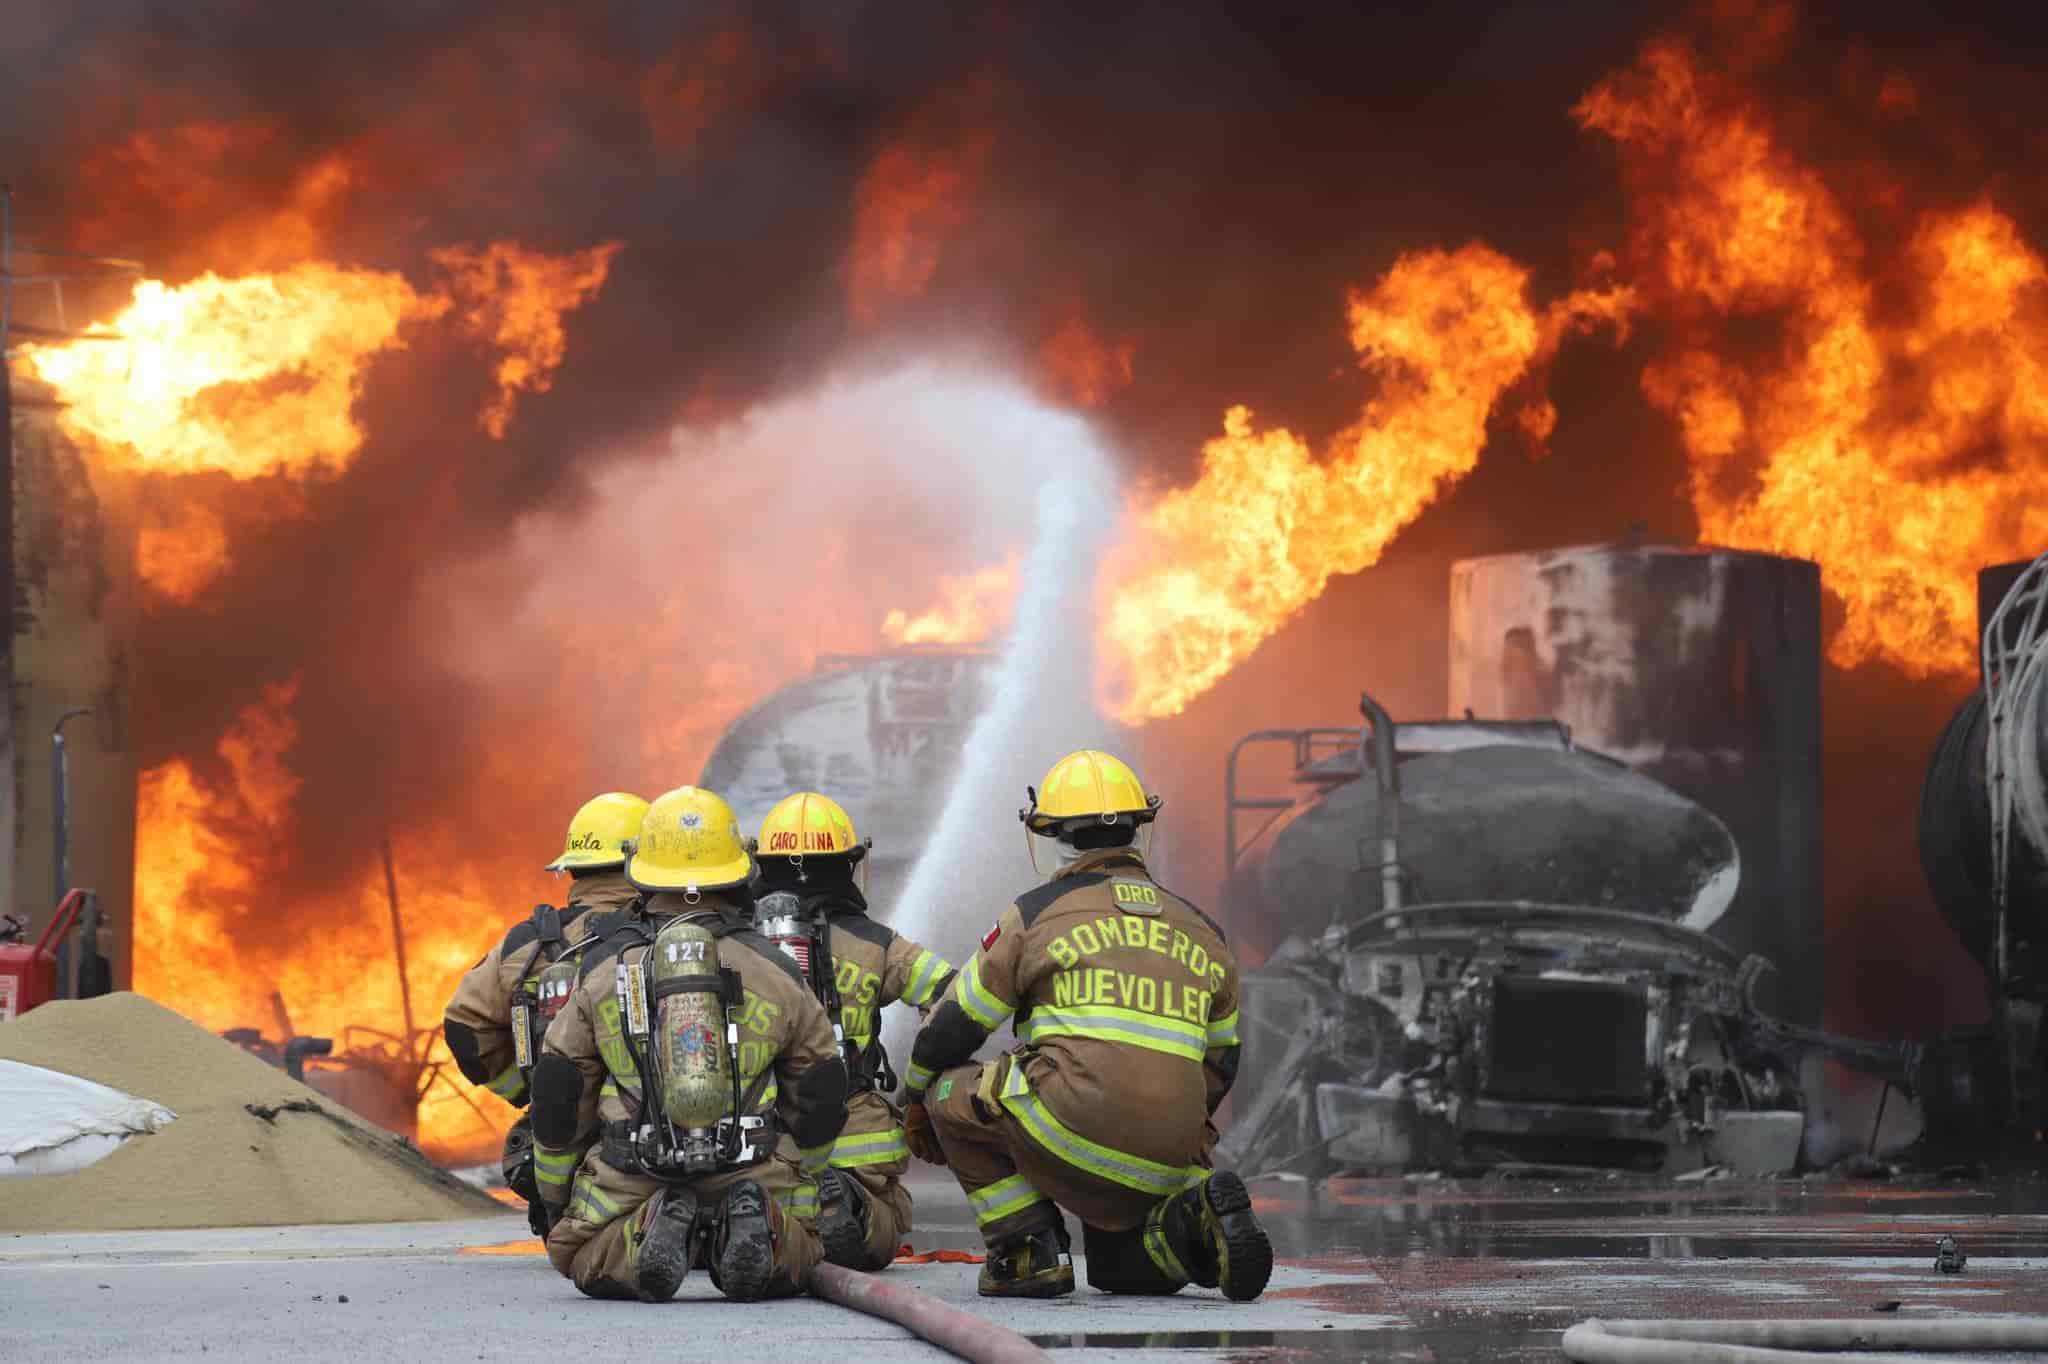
<point x="1948" y="1256"/>
<point x="269" y="1112"/>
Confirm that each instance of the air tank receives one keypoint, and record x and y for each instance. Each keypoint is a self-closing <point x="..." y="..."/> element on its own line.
<point x="689" y="1027"/>
<point x="881" y="734"/>
<point x="1696" y="666"/>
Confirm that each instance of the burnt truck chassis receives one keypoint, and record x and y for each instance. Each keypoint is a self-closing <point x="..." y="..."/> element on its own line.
<point x="1477" y="1034"/>
<point x="1471" y="1035"/>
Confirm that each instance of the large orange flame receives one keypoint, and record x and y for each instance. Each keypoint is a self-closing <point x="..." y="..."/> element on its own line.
<point x="249" y="376"/>
<point x="1215" y="568"/>
<point x="914" y="198"/>
<point x="970" y="610"/>
<point x="513" y="299"/>
<point x="259" y="376"/>
<point x="209" y="854"/>
<point x="1901" y="441"/>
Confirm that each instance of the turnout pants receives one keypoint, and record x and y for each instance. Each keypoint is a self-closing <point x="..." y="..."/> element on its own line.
<point x="888" y="1212"/>
<point x="1017" y="1188"/>
<point x="595" y="1243"/>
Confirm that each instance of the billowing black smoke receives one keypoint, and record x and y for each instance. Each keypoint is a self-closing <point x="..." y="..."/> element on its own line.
<point x="1200" y="181"/>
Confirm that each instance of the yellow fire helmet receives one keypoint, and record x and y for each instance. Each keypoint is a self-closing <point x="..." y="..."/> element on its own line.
<point x="809" y="825"/>
<point x="1087" y="787"/>
<point x="689" y="841"/>
<point x="598" y="831"/>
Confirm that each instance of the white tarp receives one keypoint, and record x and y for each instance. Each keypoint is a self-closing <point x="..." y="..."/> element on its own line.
<point x="51" y="1122"/>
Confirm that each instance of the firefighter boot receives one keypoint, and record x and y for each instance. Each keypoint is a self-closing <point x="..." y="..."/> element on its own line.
<point x="667" y="1241"/>
<point x="843" y="1219"/>
<point x="743" y="1246"/>
<point x="1029" y="1264"/>
<point x="1210" y="1229"/>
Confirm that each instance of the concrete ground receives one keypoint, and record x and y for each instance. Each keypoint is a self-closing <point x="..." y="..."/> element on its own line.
<point x="1416" y="1270"/>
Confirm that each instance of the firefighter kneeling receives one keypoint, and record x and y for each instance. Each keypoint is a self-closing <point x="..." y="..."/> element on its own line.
<point x="691" y="1081"/>
<point x="503" y="1006"/>
<point x="813" y="907"/>
<point x="1125" y="1001"/>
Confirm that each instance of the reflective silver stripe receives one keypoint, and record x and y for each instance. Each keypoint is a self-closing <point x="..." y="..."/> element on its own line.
<point x="978" y="1001"/>
<point x="1223" y="1031"/>
<point x="1119" y="1167"/>
<point x="1004" y="1198"/>
<point x="875" y="1148"/>
<point x="924" y="973"/>
<point x="1118" y="1025"/>
<point x="507" y="1082"/>
<point x="589" y="1197"/>
<point x="868" y="1141"/>
<point x="554" y="1169"/>
<point x="919" y="1079"/>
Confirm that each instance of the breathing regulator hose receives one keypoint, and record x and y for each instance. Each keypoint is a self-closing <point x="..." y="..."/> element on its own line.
<point x="1795" y="1342"/>
<point x="975" y="1339"/>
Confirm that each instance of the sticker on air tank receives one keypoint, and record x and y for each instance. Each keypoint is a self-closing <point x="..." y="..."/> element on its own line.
<point x="522" y="1038"/>
<point x="635" y="990"/>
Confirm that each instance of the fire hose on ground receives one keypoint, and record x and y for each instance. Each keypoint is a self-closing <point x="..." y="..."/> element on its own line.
<point x="961" y="1333"/>
<point x="1795" y="1342"/>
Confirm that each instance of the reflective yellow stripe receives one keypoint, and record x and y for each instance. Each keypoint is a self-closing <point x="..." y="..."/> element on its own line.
<point x="1119" y="1167"/>
<point x="1107" y="1023"/>
<point x="593" y="1203"/>
<point x="1159" y="1249"/>
<point x="507" y="1083"/>
<point x="1004" y="1198"/>
<point x="814" y="1158"/>
<point x="1223" y="1031"/>
<point x="801" y="1200"/>
<point x="554" y="1168"/>
<point x="919" y="1079"/>
<point x="981" y="1004"/>
<point x="870" y="1148"/>
<point x="925" y="972"/>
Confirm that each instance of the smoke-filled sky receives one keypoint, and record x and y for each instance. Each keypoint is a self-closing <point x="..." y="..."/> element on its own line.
<point x="1151" y="212"/>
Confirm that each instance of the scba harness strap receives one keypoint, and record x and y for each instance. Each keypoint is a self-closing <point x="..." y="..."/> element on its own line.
<point x="644" y="1142"/>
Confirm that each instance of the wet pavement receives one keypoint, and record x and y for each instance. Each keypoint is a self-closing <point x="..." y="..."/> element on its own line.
<point x="1421" y="1270"/>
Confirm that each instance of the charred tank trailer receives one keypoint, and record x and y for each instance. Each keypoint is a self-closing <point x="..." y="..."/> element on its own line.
<point x="1535" y="983"/>
<point x="882" y="732"/>
<point x="1984" y="846"/>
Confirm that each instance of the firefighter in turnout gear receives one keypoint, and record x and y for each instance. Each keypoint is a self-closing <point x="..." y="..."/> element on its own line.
<point x="689" y="1092"/>
<point x="1124" y="1000"/>
<point x="500" y="1011"/>
<point x="813" y="907"/>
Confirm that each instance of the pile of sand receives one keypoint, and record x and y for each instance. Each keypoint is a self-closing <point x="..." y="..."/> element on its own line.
<point x="250" y="1147"/>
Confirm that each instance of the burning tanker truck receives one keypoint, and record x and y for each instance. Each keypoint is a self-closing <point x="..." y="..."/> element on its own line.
<point x="1590" y="938"/>
<point x="881" y="732"/>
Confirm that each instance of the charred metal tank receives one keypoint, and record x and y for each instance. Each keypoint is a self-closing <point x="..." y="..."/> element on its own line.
<point x="1499" y="821"/>
<point x="881" y="733"/>
<point x="1697" y="667"/>
<point x="1984" y="848"/>
<point x="1956" y="845"/>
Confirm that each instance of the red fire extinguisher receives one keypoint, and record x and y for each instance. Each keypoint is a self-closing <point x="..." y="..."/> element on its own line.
<point x="28" y="975"/>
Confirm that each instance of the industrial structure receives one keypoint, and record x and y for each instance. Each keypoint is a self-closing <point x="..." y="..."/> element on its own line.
<point x="67" y="811"/>
<point x="1593" y="939"/>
